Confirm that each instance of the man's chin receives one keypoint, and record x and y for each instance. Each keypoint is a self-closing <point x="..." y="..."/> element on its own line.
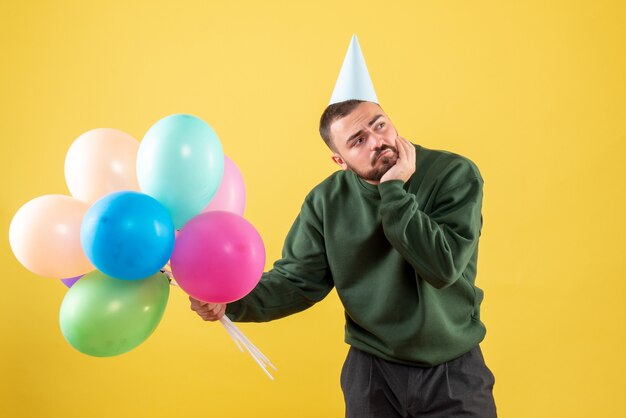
<point x="376" y="174"/>
<point x="385" y="163"/>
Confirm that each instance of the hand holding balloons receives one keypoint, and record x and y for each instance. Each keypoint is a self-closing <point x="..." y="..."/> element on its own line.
<point x="186" y="182"/>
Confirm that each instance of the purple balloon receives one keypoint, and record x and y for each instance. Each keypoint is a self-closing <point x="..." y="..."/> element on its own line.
<point x="70" y="282"/>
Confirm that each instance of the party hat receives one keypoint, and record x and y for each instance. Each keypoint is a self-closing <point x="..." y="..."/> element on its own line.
<point x="354" y="80"/>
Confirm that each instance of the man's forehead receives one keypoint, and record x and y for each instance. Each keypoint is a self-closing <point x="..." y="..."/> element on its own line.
<point x="361" y="115"/>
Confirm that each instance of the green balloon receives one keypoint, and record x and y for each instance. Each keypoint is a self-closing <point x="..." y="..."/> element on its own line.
<point x="102" y="316"/>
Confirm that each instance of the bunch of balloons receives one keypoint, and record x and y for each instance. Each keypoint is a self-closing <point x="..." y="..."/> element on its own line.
<point x="172" y="202"/>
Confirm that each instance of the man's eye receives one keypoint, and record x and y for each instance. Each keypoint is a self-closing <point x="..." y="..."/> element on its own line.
<point x="359" y="141"/>
<point x="381" y="125"/>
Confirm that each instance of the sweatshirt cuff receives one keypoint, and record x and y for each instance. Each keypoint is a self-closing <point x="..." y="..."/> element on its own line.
<point x="391" y="190"/>
<point x="233" y="311"/>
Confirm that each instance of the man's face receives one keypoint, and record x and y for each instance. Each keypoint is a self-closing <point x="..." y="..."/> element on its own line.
<point x="365" y="142"/>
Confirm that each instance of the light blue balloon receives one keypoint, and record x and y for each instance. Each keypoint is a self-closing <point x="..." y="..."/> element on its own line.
<point x="180" y="163"/>
<point x="127" y="235"/>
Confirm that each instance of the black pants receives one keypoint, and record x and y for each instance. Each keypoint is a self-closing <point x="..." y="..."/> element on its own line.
<point x="373" y="387"/>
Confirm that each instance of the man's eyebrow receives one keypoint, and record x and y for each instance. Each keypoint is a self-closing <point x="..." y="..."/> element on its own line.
<point x="370" y="123"/>
<point x="374" y="120"/>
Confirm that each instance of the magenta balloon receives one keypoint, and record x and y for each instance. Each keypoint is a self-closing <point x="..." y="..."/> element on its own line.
<point x="231" y="194"/>
<point x="218" y="257"/>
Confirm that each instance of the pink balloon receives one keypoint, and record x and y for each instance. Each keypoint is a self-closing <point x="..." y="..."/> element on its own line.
<point x="231" y="194"/>
<point x="45" y="236"/>
<point x="218" y="257"/>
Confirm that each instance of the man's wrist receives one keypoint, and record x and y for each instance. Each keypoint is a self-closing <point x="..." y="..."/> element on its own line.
<point x="391" y="189"/>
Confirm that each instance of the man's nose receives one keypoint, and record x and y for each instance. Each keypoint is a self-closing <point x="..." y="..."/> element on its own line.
<point x="378" y="141"/>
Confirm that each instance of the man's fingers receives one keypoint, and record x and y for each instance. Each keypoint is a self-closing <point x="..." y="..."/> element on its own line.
<point x="406" y="144"/>
<point x="218" y="310"/>
<point x="410" y="151"/>
<point x="195" y="303"/>
<point x="205" y="314"/>
<point x="403" y="148"/>
<point x="221" y="311"/>
<point x="208" y="311"/>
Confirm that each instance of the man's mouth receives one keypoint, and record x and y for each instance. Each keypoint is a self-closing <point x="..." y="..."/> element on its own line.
<point x="382" y="154"/>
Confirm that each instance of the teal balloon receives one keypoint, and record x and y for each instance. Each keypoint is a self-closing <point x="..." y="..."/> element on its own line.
<point x="180" y="163"/>
<point x="102" y="316"/>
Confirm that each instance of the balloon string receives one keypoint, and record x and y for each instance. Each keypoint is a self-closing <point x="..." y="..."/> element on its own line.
<point x="235" y="333"/>
<point x="256" y="354"/>
<point x="170" y="276"/>
<point x="247" y="342"/>
<point x="239" y="346"/>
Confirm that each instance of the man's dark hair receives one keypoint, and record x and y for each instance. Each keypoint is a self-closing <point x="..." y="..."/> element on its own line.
<point x="332" y="113"/>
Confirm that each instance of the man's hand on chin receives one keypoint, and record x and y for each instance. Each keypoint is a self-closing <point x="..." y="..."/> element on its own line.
<point x="405" y="165"/>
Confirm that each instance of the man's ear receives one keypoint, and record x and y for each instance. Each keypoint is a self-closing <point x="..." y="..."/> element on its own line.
<point x="339" y="161"/>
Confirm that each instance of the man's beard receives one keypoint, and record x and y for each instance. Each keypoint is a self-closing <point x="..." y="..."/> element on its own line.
<point x="386" y="162"/>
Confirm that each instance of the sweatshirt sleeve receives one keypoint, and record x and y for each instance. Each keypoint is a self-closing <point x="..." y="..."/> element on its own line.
<point x="297" y="281"/>
<point x="438" y="245"/>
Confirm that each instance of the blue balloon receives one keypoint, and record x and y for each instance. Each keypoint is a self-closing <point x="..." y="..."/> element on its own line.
<point x="180" y="163"/>
<point x="127" y="235"/>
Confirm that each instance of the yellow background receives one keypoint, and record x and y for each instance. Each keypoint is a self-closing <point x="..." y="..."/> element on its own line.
<point x="534" y="92"/>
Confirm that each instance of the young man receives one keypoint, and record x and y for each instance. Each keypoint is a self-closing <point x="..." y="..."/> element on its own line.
<point x="396" y="232"/>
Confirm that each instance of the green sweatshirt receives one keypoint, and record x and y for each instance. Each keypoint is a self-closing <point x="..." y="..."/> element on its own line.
<point x="402" y="257"/>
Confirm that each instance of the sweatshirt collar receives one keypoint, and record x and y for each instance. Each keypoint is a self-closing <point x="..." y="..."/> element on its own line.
<point x="366" y="187"/>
